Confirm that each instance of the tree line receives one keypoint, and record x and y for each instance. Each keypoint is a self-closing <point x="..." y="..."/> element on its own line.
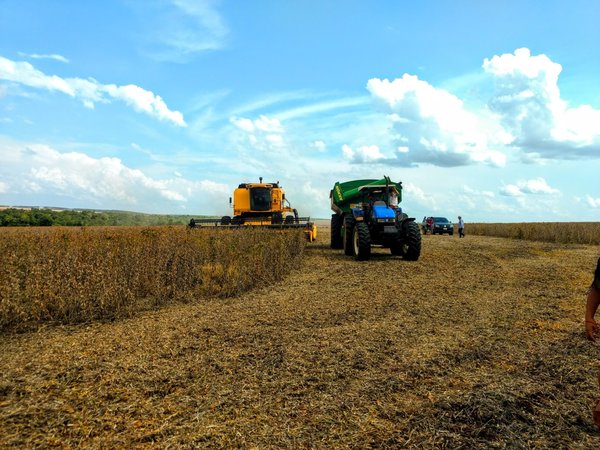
<point x="42" y="217"/>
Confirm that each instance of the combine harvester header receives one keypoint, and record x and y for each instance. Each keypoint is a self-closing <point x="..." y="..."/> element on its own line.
<point x="261" y="205"/>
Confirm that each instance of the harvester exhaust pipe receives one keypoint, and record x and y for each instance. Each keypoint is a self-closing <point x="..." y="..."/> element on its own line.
<point x="260" y="179"/>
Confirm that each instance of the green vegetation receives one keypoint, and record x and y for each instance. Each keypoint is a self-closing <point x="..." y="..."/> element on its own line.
<point x="36" y="217"/>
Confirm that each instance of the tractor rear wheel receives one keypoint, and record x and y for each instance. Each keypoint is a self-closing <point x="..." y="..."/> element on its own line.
<point x="349" y="223"/>
<point x="337" y="240"/>
<point x="411" y="249"/>
<point x="361" y="242"/>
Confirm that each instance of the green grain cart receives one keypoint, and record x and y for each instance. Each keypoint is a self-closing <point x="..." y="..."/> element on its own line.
<point x="367" y="213"/>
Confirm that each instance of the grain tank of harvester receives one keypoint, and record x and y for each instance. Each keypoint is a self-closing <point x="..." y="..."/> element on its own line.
<point x="367" y="214"/>
<point x="261" y="205"/>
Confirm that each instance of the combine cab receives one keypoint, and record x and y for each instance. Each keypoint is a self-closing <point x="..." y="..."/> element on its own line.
<point x="261" y="205"/>
<point x="367" y="214"/>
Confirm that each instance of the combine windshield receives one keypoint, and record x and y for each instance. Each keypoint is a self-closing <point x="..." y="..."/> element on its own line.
<point x="260" y="199"/>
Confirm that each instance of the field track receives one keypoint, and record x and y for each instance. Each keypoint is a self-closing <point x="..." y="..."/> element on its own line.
<point x="479" y="344"/>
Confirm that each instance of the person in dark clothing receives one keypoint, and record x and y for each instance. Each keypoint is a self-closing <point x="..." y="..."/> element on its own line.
<point x="591" y="326"/>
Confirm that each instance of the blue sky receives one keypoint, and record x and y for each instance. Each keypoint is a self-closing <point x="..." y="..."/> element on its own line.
<point x="487" y="109"/>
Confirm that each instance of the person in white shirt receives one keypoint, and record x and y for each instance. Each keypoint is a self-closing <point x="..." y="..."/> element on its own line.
<point x="393" y="198"/>
<point x="461" y="227"/>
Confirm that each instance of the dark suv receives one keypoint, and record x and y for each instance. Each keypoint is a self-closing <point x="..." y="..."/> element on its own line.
<point x="442" y="225"/>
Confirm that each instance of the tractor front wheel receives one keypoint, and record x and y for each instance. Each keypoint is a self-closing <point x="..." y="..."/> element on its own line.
<point x="411" y="249"/>
<point x="361" y="241"/>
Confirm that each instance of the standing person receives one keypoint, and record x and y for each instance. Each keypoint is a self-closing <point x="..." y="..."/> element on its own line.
<point x="591" y="326"/>
<point x="461" y="227"/>
<point x="393" y="198"/>
<point x="591" y="306"/>
<point x="430" y="224"/>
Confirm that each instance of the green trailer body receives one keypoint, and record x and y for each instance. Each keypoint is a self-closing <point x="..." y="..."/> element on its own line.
<point x="343" y="195"/>
<point x="366" y="214"/>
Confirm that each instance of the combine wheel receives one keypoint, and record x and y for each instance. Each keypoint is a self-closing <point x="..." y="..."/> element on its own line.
<point x="361" y="241"/>
<point x="225" y="220"/>
<point x="411" y="247"/>
<point x="277" y="218"/>
<point x="348" y="230"/>
<point x="289" y="219"/>
<point x="337" y="240"/>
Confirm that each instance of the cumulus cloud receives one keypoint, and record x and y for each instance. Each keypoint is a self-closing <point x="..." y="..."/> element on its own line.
<point x="264" y="133"/>
<point x="525" y="115"/>
<point x="90" y="91"/>
<point x="536" y="186"/>
<point x="35" y="169"/>
<point x="320" y="146"/>
<point x="528" y="102"/>
<point x="434" y="126"/>
<point x="593" y="202"/>
<point x="363" y="154"/>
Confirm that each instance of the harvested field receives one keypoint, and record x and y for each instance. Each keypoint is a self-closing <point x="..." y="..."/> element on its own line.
<point x="479" y="344"/>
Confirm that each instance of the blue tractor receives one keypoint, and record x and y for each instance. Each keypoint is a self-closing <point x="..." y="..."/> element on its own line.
<point x="367" y="214"/>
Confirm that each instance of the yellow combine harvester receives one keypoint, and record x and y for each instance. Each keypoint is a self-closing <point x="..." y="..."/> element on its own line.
<point x="261" y="205"/>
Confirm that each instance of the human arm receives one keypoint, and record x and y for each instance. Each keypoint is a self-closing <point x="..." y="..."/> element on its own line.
<point x="591" y="306"/>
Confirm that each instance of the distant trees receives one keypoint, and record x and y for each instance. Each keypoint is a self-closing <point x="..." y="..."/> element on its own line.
<point x="43" y="217"/>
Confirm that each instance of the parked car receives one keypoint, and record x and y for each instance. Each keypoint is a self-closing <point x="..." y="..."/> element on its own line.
<point x="442" y="225"/>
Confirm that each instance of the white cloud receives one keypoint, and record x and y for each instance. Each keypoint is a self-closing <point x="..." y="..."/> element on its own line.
<point x="145" y="101"/>
<point x="320" y="146"/>
<point x="3" y="187"/>
<point x="180" y="29"/>
<point x="105" y="182"/>
<point x="264" y="133"/>
<point x="593" y="202"/>
<point x="528" y="101"/>
<point x="90" y="91"/>
<point x="418" y="195"/>
<point x="363" y="154"/>
<point x="433" y="126"/>
<point x="536" y="186"/>
<point x="52" y="56"/>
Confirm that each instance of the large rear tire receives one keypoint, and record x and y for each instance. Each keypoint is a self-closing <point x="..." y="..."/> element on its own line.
<point x="349" y="223"/>
<point x="337" y="241"/>
<point x="361" y="242"/>
<point x="412" y="242"/>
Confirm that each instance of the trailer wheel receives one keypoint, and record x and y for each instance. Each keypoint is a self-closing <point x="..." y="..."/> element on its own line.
<point x="337" y="241"/>
<point x="411" y="249"/>
<point x="348" y="230"/>
<point x="225" y="220"/>
<point x="361" y="242"/>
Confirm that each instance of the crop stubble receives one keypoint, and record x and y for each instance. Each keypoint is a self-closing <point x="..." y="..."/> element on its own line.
<point x="478" y="344"/>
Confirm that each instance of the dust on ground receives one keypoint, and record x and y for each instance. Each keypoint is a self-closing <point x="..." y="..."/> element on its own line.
<point x="479" y="344"/>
